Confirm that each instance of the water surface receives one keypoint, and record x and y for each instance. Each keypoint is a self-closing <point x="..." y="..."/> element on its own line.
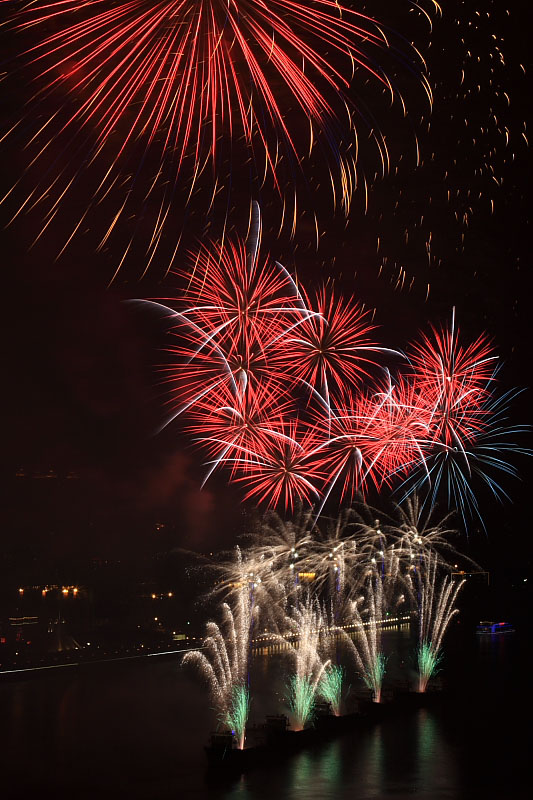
<point x="138" y="730"/>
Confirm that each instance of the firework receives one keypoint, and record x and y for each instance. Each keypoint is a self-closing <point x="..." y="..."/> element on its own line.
<point x="249" y="572"/>
<point x="248" y="308"/>
<point x="271" y="390"/>
<point x="467" y="430"/>
<point x="159" y="99"/>
<point x="366" y="648"/>
<point x="307" y="628"/>
<point x="224" y="663"/>
<point x="436" y="609"/>
<point x="236" y="312"/>
<point x="418" y="534"/>
<point x="428" y="660"/>
<point x="301" y="699"/>
<point x="332" y="559"/>
<point x="240" y="573"/>
<point x="316" y="634"/>
<point x="448" y="374"/>
<point x="284" y="544"/>
<point x="331" y="347"/>
<point x="237" y="715"/>
<point x="330" y="687"/>
<point x="240" y="313"/>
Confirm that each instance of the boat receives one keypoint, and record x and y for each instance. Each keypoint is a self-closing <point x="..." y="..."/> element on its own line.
<point x="276" y="736"/>
<point x="486" y="628"/>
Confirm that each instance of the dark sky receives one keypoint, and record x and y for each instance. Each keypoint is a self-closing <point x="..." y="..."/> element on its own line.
<point x="81" y="393"/>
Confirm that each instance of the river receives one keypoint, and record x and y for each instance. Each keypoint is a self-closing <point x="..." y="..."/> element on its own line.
<point x="137" y="730"/>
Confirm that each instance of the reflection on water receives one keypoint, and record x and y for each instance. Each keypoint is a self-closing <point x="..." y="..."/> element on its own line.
<point x="139" y="731"/>
<point x="399" y="758"/>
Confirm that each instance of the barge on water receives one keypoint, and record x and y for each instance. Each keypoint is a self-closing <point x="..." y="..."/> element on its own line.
<point x="275" y="736"/>
<point x="491" y="628"/>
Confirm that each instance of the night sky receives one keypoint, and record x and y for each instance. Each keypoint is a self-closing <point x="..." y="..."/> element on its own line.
<point x="82" y="398"/>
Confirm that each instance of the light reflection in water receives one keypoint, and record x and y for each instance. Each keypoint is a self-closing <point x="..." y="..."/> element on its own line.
<point x="435" y="763"/>
<point x="138" y="732"/>
<point x="402" y="757"/>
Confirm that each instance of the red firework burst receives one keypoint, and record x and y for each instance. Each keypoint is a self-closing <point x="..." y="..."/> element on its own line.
<point x="177" y="62"/>
<point x="281" y="472"/>
<point x="366" y="437"/>
<point x="330" y="348"/>
<point x="247" y="305"/>
<point x="151" y="92"/>
<point x="232" y="429"/>
<point x="453" y="383"/>
<point x="393" y="425"/>
<point x="239" y="313"/>
<point x="468" y="435"/>
<point x="255" y="370"/>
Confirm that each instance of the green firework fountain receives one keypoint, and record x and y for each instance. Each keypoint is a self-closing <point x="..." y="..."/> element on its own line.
<point x="237" y="716"/>
<point x="436" y="609"/>
<point x="373" y="676"/>
<point x="224" y="659"/>
<point x="330" y="687"/>
<point x="301" y="699"/>
<point x="366" y="648"/>
<point x="428" y="659"/>
<point x="306" y="628"/>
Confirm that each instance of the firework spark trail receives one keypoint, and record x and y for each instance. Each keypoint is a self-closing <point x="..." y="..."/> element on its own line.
<point x="301" y="428"/>
<point x="157" y="94"/>
<point x="238" y="571"/>
<point x="466" y="421"/>
<point x="330" y="348"/>
<point x="384" y="546"/>
<point x="371" y="437"/>
<point x="332" y="559"/>
<point x="366" y="648"/>
<point x="307" y="628"/>
<point x="331" y="686"/>
<point x="237" y="716"/>
<point x="335" y="643"/>
<point x="280" y="472"/>
<point x="283" y="544"/>
<point x="436" y="609"/>
<point x="249" y="570"/>
<point x="417" y="535"/>
<point x="224" y="662"/>
<point x="471" y="146"/>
